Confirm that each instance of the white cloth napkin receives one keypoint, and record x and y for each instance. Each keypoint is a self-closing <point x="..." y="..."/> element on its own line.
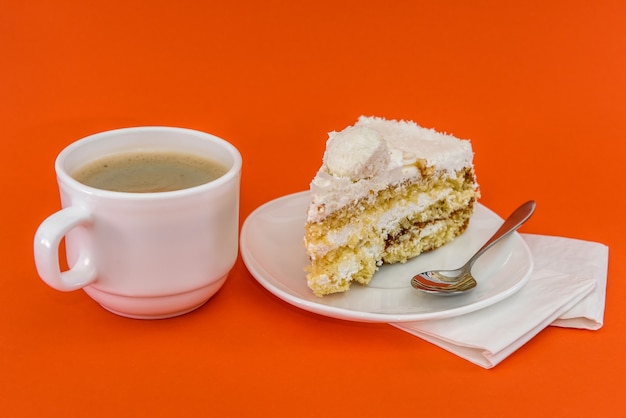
<point x="567" y="288"/>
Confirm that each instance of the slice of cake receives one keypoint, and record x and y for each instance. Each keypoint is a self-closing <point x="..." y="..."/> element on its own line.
<point x="387" y="191"/>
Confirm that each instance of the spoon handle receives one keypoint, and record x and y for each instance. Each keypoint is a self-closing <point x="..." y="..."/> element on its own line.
<point x="512" y="223"/>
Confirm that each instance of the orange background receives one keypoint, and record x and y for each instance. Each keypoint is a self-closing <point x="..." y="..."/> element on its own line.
<point x="539" y="87"/>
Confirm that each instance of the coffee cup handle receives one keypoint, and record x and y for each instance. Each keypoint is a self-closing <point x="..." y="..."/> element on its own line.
<point x="46" y="249"/>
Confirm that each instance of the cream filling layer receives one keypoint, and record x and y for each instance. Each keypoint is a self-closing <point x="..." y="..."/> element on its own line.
<point x="388" y="221"/>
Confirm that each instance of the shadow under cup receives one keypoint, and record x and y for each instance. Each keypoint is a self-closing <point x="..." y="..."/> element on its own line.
<point x="144" y="255"/>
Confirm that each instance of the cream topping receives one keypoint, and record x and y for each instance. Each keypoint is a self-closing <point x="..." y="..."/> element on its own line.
<point x="357" y="152"/>
<point x="375" y="153"/>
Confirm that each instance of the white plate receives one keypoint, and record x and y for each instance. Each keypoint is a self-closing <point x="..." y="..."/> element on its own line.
<point x="273" y="251"/>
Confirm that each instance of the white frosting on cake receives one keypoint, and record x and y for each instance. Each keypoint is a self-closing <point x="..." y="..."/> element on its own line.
<point x="376" y="153"/>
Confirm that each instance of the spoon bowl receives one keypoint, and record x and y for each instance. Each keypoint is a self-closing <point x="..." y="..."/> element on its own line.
<point x="457" y="281"/>
<point x="444" y="289"/>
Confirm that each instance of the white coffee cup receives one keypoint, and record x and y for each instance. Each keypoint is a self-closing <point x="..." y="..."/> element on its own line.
<point x="143" y="255"/>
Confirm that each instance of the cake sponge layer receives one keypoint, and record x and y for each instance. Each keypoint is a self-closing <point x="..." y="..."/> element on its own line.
<point x="392" y="225"/>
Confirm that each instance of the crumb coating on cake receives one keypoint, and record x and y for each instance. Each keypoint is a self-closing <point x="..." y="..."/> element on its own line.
<point x="378" y="199"/>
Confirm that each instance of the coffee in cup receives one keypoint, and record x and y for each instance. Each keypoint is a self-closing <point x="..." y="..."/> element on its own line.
<point x="148" y="172"/>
